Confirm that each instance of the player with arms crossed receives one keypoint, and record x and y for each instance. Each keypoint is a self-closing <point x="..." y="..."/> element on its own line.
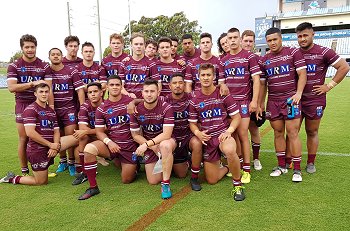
<point x="209" y="123"/>
<point x="313" y="100"/>
<point x="44" y="139"/>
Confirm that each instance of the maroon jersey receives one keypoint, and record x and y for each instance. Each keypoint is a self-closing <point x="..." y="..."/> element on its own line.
<point x="24" y="72"/>
<point x="114" y="116"/>
<point x="317" y="59"/>
<point x="112" y="64"/>
<point x="152" y="121"/>
<point x="196" y="54"/>
<point x="133" y="73"/>
<point x="71" y="63"/>
<point x="180" y="106"/>
<point x="91" y="74"/>
<point x="211" y="111"/>
<point x="87" y="114"/>
<point x="222" y="56"/>
<point x="192" y="75"/>
<point x="239" y="69"/>
<point x="177" y="57"/>
<point x="64" y="82"/>
<point x="165" y="71"/>
<point x="44" y="120"/>
<point x="280" y="72"/>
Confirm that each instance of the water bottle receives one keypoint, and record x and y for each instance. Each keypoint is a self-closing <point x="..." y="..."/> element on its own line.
<point x="290" y="108"/>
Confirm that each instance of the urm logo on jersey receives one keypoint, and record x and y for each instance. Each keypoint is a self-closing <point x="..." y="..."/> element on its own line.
<point x="311" y="68"/>
<point x="181" y="115"/>
<point x="45" y="123"/>
<point x="279" y="70"/>
<point x="135" y="78"/>
<point x="152" y="127"/>
<point x="28" y="78"/>
<point x="235" y="71"/>
<point x="165" y="78"/>
<point x="61" y="87"/>
<point x="210" y="113"/>
<point x="119" y="119"/>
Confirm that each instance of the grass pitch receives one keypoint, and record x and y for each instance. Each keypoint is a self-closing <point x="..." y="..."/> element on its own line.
<point x="320" y="202"/>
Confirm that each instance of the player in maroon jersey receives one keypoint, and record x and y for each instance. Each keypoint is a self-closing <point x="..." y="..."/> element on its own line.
<point x="185" y="140"/>
<point x="88" y="70"/>
<point x="151" y="127"/>
<point x="71" y="44"/>
<point x="112" y="125"/>
<point x="208" y="121"/>
<point x="44" y="139"/>
<point x="189" y="51"/>
<point x="135" y="70"/>
<point x="285" y="75"/>
<point x="113" y="61"/>
<point x="248" y="43"/>
<point x="242" y="78"/>
<point x="166" y="66"/>
<point x="22" y="76"/>
<point x="192" y="76"/>
<point x="86" y="122"/>
<point x="313" y="100"/>
<point x="223" y="46"/>
<point x="151" y="49"/>
<point x="65" y="81"/>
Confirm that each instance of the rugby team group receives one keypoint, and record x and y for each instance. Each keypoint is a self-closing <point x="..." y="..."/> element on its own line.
<point x="173" y="113"/>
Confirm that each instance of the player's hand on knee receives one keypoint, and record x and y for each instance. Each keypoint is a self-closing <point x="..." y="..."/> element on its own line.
<point x="224" y="136"/>
<point x="79" y="133"/>
<point x="141" y="149"/>
<point x="113" y="147"/>
<point x="52" y="153"/>
<point x="55" y="146"/>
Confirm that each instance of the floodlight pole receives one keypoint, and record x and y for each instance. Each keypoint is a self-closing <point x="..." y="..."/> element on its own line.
<point x="129" y="28"/>
<point x="99" y="28"/>
<point x="68" y="13"/>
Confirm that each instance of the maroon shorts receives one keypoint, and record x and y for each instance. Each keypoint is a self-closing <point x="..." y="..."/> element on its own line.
<point x="181" y="151"/>
<point x="19" y="108"/>
<point x="125" y="157"/>
<point x="150" y="157"/>
<point x="39" y="160"/>
<point x="211" y="151"/>
<point x="66" y="117"/>
<point x="277" y="110"/>
<point x="243" y="106"/>
<point x="312" y="112"/>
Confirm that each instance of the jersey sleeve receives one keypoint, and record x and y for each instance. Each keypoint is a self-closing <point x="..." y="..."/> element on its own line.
<point x="29" y="117"/>
<point x="193" y="114"/>
<point x="168" y="115"/>
<point x="102" y="74"/>
<point x="231" y="105"/>
<point x="77" y="83"/>
<point x="134" y="124"/>
<point x="298" y="59"/>
<point x="254" y="67"/>
<point x="83" y="117"/>
<point x="99" y="118"/>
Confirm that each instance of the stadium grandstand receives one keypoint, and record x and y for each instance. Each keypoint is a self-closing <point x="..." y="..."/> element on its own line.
<point x="330" y="19"/>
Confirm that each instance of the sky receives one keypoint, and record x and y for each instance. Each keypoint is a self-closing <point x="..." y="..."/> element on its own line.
<point x="47" y="20"/>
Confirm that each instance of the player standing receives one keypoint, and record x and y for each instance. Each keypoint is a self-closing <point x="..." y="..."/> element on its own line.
<point x="151" y="49"/>
<point x="189" y="51"/>
<point x="223" y="46"/>
<point x="22" y="76"/>
<point x="285" y="75"/>
<point x="71" y="44"/>
<point x="243" y="80"/>
<point x="313" y="100"/>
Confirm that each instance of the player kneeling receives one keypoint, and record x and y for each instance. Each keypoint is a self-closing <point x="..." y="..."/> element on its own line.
<point x="209" y="111"/>
<point x="44" y="143"/>
<point x="112" y="124"/>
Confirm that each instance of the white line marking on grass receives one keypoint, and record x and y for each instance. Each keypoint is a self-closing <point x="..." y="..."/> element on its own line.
<point x="318" y="153"/>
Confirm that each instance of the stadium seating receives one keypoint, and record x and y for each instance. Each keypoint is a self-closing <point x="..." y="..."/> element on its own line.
<point x="3" y="82"/>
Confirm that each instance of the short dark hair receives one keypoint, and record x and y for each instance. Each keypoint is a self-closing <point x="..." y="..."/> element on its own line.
<point x="151" y="41"/>
<point x="87" y="44"/>
<point x="272" y="30"/>
<point x="27" y="38"/>
<point x="41" y="85"/>
<point x="221" y="50"/>
<point x="206" y="35"/>
<point x="97" y="84"/>
<point x="71" y="38"/>
<point x="55" y="48"/>
<point x="186" y="36"/>
<point x="113" y="77"/>
<point x="232" y="30"/>
<point x="177" y="74"/>
<point x="149" y="82"/>
<point x="135" y="35"/>
<point x="206" y="66"/>
<point x="303" y="26"/>
<point x="164" y="40"/>
<point x="173" y="38"/>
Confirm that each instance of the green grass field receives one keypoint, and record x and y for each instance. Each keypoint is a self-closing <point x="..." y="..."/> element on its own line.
<point x="3" y="71"/>
<point x="320" y="202"/>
